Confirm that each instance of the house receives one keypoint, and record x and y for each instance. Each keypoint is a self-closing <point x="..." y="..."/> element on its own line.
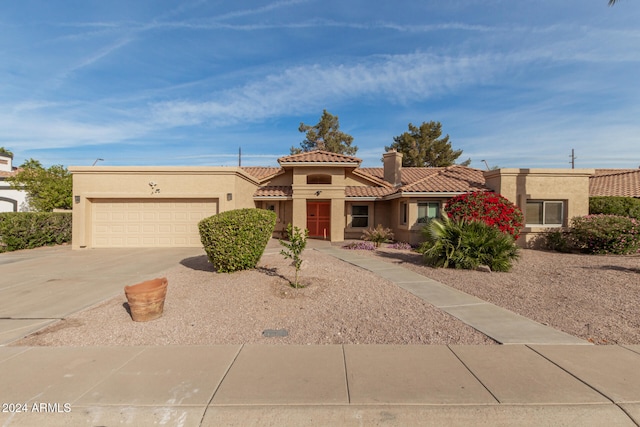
<point x="327" y="193"/>
<point x="615" y="182"/>
<point x="10" y="200"/>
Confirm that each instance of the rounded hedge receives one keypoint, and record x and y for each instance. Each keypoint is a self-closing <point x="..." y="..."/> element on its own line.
<point x="235" y="240"/>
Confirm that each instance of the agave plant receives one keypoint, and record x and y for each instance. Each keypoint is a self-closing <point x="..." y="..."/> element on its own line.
<point x="467" y="244"/>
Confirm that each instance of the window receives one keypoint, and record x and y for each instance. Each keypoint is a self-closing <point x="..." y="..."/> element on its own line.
<point x="403" y="213"/>
<point x="360" y="216"/>
<point x="318" y="179"/>
<point x="549" y="213"/>
<point x="428" y="211"/>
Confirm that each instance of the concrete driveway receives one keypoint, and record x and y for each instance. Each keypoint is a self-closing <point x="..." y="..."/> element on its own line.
<point x="41" y="286"/>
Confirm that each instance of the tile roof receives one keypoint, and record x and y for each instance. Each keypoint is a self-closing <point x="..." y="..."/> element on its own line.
<point x="367" y="191"/>
<point x="441" y="180"/>
<point x="260" y="172"/>
<point x="319" y="156"/>
<point x="615" y="182"/>
<point x="274" y="191"/>
<point x="6" y="174"/>
<point x="452" y="179"/>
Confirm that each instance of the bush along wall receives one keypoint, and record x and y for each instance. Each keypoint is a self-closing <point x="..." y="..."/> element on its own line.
<point x="27" y="230"/>
<point x="605" y="234"/>
<point x="623" y="206"/>
<point x="235" y="240"/>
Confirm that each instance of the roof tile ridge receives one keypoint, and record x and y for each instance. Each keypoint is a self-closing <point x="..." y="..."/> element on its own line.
<point x="442" y="171"/>
<point x="613" y="172"/>
<point x="370" y="177"/>
<point x="262" y="179"/>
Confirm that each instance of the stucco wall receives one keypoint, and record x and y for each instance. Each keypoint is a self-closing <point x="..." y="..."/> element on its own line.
<point x="231" y="186"/>
<point x="12" y="200"/>
<point x="521" y="185"/>
<point x="302" y="192"/>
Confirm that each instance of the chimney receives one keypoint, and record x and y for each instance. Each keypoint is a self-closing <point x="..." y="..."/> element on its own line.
<point x="393" y="167"/>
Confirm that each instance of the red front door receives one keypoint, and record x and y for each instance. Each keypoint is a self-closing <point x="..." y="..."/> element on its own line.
<point x="319" y="219"/>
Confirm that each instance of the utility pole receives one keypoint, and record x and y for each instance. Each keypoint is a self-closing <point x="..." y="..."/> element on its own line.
<point x="573" y="159"/>
<point x="239" y="156"/>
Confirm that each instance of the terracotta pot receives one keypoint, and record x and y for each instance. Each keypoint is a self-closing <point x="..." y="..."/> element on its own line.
<point x="146" y="299"/>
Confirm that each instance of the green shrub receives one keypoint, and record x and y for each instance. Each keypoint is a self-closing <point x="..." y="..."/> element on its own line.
<point x="606" y="234"/>
<point x="622" y="206"/>
<point x="558" y="240"/>
<point x="377" y="235"/>
<point x="27" y="230"/>
<point x="235" y="240"/>
<point x="465" y="244"/>
<point x="295" y="246"/>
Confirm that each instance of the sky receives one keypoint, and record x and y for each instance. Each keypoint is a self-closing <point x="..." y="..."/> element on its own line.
<point x="515" y="84"/>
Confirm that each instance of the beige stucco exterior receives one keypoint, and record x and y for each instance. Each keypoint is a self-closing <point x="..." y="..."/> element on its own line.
<point x="230" y="188"/>
<point x="174" y="199"/>
<point x="570" y="186"/>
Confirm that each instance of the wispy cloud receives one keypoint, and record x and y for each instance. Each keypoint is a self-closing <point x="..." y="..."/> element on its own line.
<point x="96" y="56"/>
<point x="396" y="78"/>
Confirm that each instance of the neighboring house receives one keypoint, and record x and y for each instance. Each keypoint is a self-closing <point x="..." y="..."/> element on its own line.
<point x="615" y="182"/>
<point x="10" y="200"/>
<point x="327" y="193"/>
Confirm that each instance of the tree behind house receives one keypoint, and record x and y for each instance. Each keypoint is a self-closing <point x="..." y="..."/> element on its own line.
<point x="424" y="146"/>
<point x="325" y="135"/>
<point x="47" y="189"/>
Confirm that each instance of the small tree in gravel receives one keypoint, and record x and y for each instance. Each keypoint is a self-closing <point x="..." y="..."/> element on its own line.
<point x="294" y="247"/>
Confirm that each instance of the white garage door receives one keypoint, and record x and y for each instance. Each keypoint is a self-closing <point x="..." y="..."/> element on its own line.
<point x="149" y="223"/>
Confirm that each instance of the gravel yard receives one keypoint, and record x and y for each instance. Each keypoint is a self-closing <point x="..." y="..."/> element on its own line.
<point x="592" y="297"/>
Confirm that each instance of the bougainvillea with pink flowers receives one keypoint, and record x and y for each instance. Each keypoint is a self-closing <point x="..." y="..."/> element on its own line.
<point x="488" y="207"/>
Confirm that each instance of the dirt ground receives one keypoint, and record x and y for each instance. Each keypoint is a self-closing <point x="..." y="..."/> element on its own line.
<point x="593" y="297"/>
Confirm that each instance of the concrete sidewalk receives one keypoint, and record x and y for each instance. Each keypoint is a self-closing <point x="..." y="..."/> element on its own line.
<point x="346" y="385"/>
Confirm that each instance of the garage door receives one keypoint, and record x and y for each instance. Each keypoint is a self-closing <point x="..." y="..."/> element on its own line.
<point x="149" y="223"/>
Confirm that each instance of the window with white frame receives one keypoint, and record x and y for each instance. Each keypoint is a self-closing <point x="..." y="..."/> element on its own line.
<point x="360" y="216"/>
<point x="428" y="211"/>
<point x="548" y="213"/>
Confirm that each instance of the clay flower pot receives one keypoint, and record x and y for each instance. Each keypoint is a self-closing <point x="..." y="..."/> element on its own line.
<point x="146" y="299"/>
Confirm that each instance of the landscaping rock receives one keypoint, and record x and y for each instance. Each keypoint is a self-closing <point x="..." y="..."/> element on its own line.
<point x="483" y="268"/>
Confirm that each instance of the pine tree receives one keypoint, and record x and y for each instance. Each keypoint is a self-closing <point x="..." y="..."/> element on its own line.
<point x="325" y="135"/>
<point x="425" y="146"/>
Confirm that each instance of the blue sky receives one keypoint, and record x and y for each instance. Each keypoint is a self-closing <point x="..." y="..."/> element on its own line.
<point x="159" y="82"/>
